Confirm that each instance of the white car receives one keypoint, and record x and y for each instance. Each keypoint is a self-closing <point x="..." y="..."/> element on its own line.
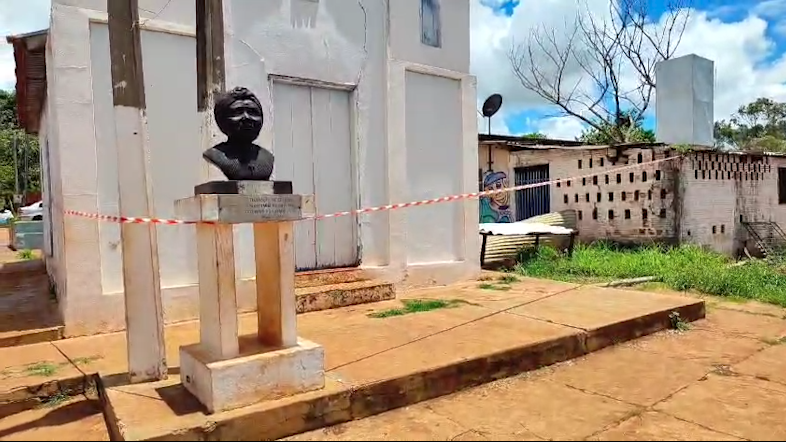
<point x="33" y="212"/>
<point x="6" y="216"/>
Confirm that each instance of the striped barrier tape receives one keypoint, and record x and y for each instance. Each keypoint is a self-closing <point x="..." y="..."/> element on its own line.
<point x="444" y="199"/>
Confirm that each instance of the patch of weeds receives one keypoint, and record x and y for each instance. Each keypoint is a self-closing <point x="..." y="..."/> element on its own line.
<point x="677" y="323"/>
<point x="45" y="369"/>
<point x="723" y="370"/>
<point x="55" y="400"/>
<point x="417" y="306"/>
<point x="86" y="359"/>
<point x="492" y="286"/>
<point x="25" y="254"/>
<point x="685" y="268"/>
<point x="388" y="313"/>
<point x="508" y="279"/>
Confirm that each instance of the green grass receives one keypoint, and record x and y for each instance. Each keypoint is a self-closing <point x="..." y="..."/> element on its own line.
<point x="417" y="306"/>
<point x="491" y="286"/>
<point x="25" y="255"/>
<point x="55" y="400"/>
<point x="45" y="369"/>
<point x="684" y="268"/>
<point x="86" y="360"/>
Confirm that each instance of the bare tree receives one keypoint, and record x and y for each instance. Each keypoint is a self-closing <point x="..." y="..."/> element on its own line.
<point x="586" y="70"/>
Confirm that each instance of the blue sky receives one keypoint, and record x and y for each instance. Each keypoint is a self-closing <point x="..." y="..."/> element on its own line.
<point x="762" y="49"/>
<point x="746" y="39"/>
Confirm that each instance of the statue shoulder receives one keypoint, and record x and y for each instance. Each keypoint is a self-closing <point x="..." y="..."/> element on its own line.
<point x="214" y="153"/>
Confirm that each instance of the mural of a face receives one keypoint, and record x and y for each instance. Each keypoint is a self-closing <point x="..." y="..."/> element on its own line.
<point x="495" y="208"/>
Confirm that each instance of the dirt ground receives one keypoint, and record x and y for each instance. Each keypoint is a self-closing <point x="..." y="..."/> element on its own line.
<point x="723" y="379"/>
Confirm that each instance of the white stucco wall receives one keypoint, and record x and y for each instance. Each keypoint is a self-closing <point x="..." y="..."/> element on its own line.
<point x="360" y="47"/>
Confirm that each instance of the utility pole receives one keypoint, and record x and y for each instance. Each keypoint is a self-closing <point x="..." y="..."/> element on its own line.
<point x="211" y="70"/>
<point x="16" y="167"/>
<point x="141" y="278"/>
<point x="16" y="203"/>
<point x="217" y="303"/>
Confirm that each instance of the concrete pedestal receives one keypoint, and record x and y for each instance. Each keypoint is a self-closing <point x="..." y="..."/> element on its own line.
<point x="227" y="384"/>
<point x="221" y="371"/>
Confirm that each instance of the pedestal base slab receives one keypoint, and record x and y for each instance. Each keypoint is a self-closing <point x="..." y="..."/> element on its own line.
<point x="234" y="383"/>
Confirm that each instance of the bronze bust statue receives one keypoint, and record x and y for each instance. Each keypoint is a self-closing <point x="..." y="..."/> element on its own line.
<point x="239" y="115"/>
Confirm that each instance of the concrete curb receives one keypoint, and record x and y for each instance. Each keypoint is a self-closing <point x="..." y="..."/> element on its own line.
<point x="343" y="403"/>
<point x="23" y="267"/>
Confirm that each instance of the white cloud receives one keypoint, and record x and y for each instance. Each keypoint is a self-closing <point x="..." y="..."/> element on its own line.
<point x="745" y="60"/>
<point x="18" y="17"/>
<point x="747" y="65"/>
<point x="559" y="128"/>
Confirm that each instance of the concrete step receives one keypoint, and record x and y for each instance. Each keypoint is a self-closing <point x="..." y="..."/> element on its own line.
<point x="327" y="277"/>
<point x="330" y="296"/>
<point x="57" y="418"/>
<point x="29" y="267"/>
<point x="30" y="336"/>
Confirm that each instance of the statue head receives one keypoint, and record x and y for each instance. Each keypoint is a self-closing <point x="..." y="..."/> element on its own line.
<point x="239" y="115"/>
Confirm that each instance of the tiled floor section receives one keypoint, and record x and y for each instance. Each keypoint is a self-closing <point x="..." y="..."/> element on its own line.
<point x="722" y="380"/>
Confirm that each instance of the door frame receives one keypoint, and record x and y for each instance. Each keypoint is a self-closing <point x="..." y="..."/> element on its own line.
<point x="353" y="145"/>
<point x="519" y="195"/>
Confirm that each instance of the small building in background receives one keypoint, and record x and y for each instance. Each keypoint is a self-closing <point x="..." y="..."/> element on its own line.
<point x="678" y="190"/>
<point x="728" y="201"/>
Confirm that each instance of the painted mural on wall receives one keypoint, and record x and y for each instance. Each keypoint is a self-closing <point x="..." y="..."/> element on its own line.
<point x="430" y="23"/>
<point x="495" y="208"/>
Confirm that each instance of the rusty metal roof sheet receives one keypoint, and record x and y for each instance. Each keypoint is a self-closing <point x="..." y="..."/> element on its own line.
<point x="30" y="58"/>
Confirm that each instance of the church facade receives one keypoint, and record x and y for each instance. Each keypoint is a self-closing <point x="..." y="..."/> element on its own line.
<point x="366" y="103"/>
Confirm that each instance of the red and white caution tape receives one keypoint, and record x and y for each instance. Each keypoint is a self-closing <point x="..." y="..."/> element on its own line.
<point x="127" y="219"/>
<point x="444" y="199"/>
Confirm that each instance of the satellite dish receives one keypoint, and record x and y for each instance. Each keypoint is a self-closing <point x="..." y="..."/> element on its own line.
<point x="491" y="105"/>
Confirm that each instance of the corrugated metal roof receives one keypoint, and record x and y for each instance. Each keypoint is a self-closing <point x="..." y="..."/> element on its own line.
<point x="30" y="57"/>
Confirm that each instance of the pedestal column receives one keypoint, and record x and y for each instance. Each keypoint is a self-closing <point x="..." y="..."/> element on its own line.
<point x="224" y="371"/>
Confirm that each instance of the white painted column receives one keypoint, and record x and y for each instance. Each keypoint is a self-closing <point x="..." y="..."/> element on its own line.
<point x="141" y="280"/>
<point x="275" y="261"/>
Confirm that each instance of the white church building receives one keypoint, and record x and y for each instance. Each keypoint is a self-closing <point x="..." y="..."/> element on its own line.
<point x="366" y="102"/>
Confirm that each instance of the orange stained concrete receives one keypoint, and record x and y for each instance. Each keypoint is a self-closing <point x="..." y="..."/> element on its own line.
<point x="669" y="386"/>
<point x="361" y="349"/>
<point x="75" y="418"/>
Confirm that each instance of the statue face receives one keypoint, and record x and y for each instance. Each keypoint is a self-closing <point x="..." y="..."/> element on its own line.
<point x="244" y="120"/>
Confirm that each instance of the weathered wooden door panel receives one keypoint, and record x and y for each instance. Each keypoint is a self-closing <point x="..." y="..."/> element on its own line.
<point x="313" y="150"/>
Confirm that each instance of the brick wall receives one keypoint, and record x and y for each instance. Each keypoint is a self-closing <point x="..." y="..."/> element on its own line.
<point x="635" y="205"/>
<point x="701" y="198"/>
<point x="709" y="201"/>
<point x="723" y="190"/>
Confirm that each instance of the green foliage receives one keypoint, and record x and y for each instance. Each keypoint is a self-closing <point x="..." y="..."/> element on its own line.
<point x="757" y="126"/>
<point x="25" y="255"/>
<point x="417" y="306"/>
<point x="627" y="130"/>
<point x="682" y="148"/>
<point x="681" y="268"/>
<point x="533" y="136"/>
<point x="12" y="136"/>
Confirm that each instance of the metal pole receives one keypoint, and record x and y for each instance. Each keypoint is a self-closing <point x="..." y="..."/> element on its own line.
<point x="16" y="167"/>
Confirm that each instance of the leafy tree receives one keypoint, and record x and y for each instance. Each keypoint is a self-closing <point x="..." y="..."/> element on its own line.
<point x="756" y="126"/>
<point x="533" y="136"/>
<point x="27" y="156"/>
<point x="584" y="69"/>
<point x="610" y="133"/>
